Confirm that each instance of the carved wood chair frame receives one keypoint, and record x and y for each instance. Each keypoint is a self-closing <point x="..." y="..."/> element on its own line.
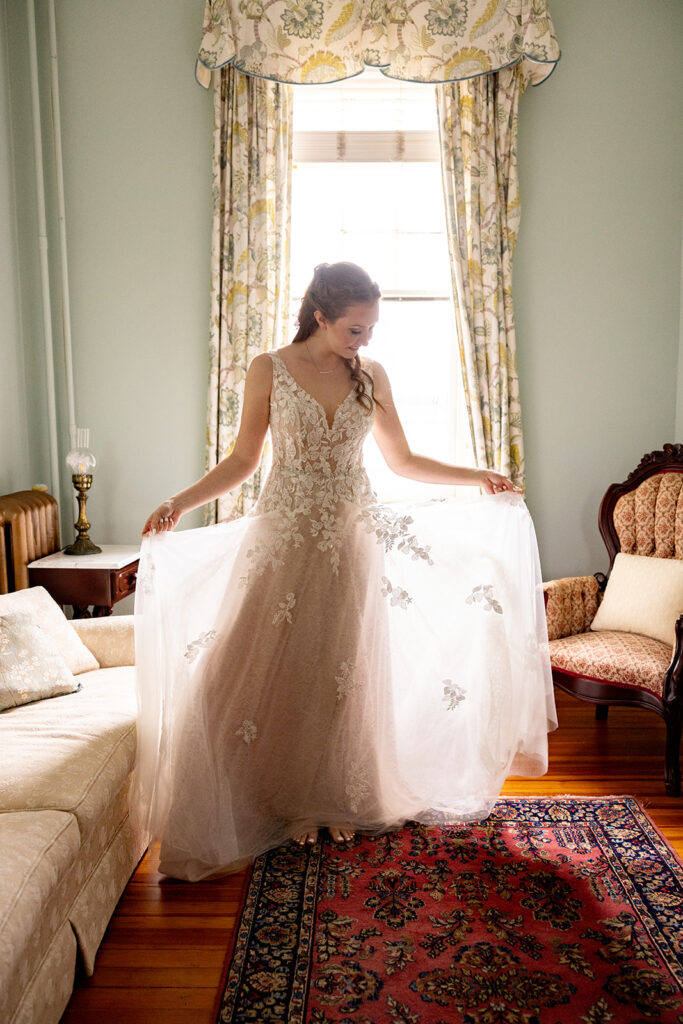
<point x="670" y="705"/>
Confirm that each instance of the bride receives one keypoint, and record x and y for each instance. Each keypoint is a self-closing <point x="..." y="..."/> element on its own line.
<point x="327" y="661"/>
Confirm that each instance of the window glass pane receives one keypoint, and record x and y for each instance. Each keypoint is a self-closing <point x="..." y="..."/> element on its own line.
<point x="358" y="212"/>
<point x="389" y="218"/>
<point x="415" y="343"/>
<point x="422" y="264"/>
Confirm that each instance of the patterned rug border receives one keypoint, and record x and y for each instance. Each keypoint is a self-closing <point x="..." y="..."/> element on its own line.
<point x="584" y="811"/>
<point x="662" y="847"/>
<point x="229" y="953"/>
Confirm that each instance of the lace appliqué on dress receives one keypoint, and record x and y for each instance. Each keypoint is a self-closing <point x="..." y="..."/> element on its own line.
<point x="357" y="788"/>
<point x="533" y="650"/>
<point x="145" y="576"/>
<point x="330" y="528"/>
<point x="267" y="552"/>
<point x="346" y="681"/>
<point x="452" y="694"/>
<point x="247" y="731"/>
<point x="393" y="530"/>
<point x="203" y="640"/>
<point x="284" y="610"/>
<point x="483" y="594"/>
<point x="398" y="596"/>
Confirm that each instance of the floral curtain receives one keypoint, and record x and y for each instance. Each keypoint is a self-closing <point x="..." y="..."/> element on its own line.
<point x="303" y="41"/>
<point x="249" y="260"/>
<point x="478" y="135"/>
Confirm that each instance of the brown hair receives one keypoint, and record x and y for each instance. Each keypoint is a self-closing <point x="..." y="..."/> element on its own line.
<point x="335" y="287"/>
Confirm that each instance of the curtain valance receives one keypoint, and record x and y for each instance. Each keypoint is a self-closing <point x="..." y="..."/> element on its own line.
<point x="308" y="41"/>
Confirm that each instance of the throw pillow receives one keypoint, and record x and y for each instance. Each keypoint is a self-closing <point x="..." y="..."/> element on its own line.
<point x="643" y="595"/>
<point x="47" y="614"/>
<point x="30" y="666"/>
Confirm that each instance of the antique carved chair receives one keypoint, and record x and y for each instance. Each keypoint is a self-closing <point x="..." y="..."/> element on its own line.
<point x="618" y="639"/>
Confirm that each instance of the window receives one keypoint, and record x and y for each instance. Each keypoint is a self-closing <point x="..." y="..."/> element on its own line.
<point x="366" y="187"/>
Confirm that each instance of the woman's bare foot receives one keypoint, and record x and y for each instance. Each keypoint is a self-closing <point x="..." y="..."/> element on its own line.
<point x="341" y="833"/>
<point x="307" y="837"/>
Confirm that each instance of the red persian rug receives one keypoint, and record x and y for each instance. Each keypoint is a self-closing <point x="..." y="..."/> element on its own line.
<point x="553" y="911"/>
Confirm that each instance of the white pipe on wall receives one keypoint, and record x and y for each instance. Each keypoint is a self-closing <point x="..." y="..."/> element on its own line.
<point x="64" y="264"/>
<point x="43" y="248"/>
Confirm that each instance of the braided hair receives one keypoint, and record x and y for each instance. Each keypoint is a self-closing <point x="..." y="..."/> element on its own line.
<point x="335" y="287"/>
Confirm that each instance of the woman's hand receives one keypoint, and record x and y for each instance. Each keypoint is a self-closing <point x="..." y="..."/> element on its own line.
<point x="163" y="518"/>
<point x="496" y="483"/>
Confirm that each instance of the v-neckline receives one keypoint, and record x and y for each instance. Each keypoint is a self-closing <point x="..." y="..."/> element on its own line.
<point x="321" y="407"/>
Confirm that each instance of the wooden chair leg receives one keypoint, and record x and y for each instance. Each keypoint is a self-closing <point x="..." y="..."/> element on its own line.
<point x="672" y="770"/>
<point x="601" y="712"/>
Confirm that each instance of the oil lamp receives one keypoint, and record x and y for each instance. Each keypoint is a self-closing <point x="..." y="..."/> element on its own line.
<point x="81" y="462"/>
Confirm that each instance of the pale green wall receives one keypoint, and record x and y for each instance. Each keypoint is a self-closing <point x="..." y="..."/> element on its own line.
<point x="679" y="404"/>
<point x="137" y="166"/>
<point x="14" y="442"/>
<point x="597" y="274"/>
<point x="598" y="267"/>
<point x="136" y="133"/>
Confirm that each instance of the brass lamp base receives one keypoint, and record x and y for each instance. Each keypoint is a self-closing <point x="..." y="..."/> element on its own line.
<point x="82" y="545"/>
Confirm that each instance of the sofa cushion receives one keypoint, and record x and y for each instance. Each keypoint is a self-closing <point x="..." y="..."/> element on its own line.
<point x="37" y="603"/>
<point x="644" y="595"/>
<point x="110" y="638"/>
<point x="101" y="888"/>
<point x="30" y="666"/>
<point x="614" y="657"/>
<point x="74" y="753"/>
<point x="49" y="991"/>
<point x="82" y="901"/>
<point x="37" y="850"/>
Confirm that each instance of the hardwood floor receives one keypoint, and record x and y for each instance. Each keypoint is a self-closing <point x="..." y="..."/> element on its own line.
<point x="162" y="955"/>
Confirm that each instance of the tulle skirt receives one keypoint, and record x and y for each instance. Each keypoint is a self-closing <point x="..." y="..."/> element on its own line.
<point x="395" y="668"/>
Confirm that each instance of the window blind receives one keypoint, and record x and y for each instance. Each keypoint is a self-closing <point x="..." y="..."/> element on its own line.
<point x="364" y="146"/>
<point x="369" y="102"/>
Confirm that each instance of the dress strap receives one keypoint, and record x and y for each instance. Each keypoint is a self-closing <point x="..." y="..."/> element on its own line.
<point x="279" y="368"/>
<point x="368" y="365"/>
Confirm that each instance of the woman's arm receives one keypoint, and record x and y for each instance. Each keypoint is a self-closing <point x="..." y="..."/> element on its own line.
<point x="393" y="444"/>
<point x="242" y="461"/>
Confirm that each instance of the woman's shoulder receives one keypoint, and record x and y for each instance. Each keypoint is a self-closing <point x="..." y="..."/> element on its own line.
<point x="264" y="361"/>
<point x="372" y="367"/>
<point x="261" y="363"/>
<point x="268" y="358"/>
<point x="260" y="372"/>
<point x="381" y="387"/>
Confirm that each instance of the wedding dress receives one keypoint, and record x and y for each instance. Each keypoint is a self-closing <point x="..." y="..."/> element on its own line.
<point x="326" y="660"/>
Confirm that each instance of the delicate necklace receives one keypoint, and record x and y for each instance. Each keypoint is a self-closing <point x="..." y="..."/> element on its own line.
<point x="334" y="368"/>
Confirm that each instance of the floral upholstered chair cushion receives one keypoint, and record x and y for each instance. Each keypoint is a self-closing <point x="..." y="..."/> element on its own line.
<point x="580" y="645"/>
<point x="31" y="668"/>
<point x="615" y="657"/>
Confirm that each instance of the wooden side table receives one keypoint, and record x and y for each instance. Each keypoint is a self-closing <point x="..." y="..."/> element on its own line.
<point x="100" y="580"/>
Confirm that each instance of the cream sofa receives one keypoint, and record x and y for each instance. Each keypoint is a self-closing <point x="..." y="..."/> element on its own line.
<point x="67" y="843"/>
